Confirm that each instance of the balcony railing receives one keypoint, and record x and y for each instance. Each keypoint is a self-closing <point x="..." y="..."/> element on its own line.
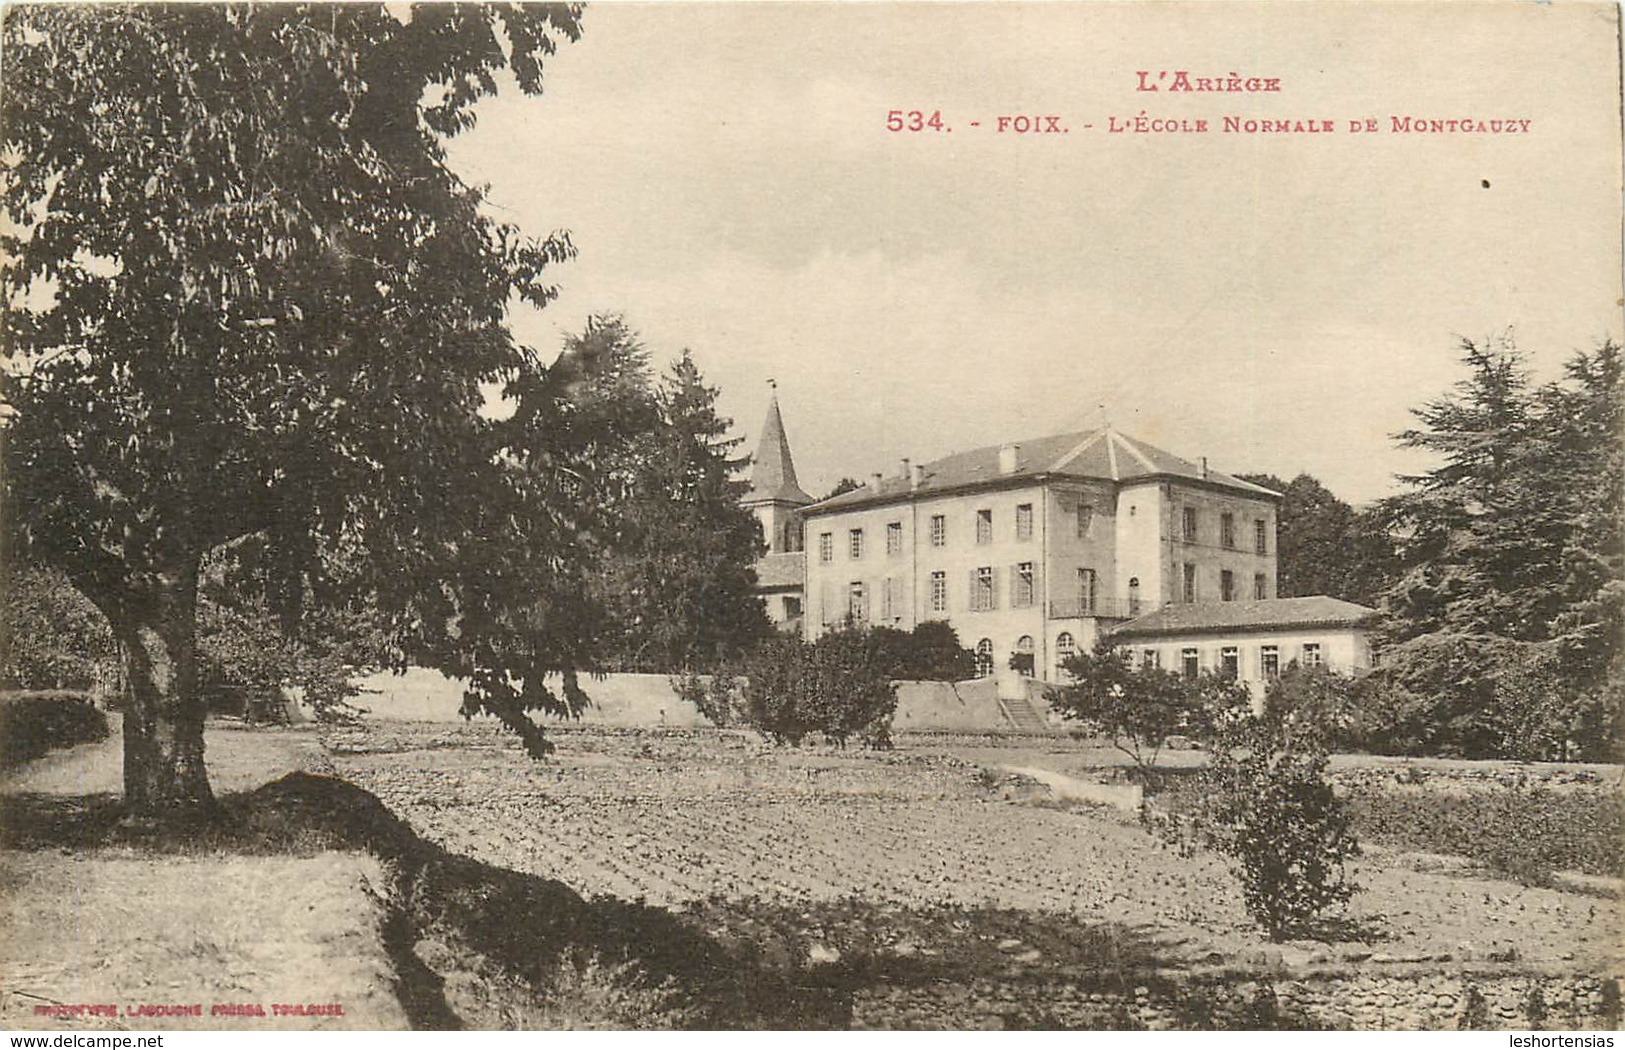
<point x="1100" y="608"/>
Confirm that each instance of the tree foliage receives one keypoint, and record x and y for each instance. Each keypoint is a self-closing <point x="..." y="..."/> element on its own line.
<point x="1137" y="708"/>
<point x="1506" y="621"/>
<point x="842" y="487"/>
<point x="680" y="577"/>
<point x="50" y="636"/>
<point x="1324" y="545"/>
<point x="248" y="297"/>
<point x="930" y="651"/>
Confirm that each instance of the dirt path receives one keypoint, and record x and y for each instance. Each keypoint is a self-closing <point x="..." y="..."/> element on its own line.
<point x="124" y="927"/>
<point x="240" y="758"/>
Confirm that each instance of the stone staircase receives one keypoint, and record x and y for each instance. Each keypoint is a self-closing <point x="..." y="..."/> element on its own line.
<point x="1021" y="715"/>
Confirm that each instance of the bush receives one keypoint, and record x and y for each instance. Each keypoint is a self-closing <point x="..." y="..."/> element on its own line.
<point x="51" y="636"/>
<point x="1526" y="832"/>
<point x="788" y="689"/>
<point x="1264" y="801"/>
<point x="32" y="724"/>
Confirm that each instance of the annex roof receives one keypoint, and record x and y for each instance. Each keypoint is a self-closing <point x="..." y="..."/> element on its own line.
<point x="1270" y="614"/>
<point x="1103" y="454"/>
<point x="773" y="472"/>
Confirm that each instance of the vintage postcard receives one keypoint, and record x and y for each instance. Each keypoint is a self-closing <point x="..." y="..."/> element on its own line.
<point x="812" y="516"/>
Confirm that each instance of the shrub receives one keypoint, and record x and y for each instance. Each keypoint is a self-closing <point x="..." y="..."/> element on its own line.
<point x="51" y="636"/>
<point x="788" y="689"/>
<point x="1264" y="802"/>
<point x="1526" y="832"/>
<point x="32" y="724"/>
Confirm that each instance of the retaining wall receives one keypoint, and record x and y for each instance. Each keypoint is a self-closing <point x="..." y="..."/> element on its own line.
<point x="421" y="695"/>
<point x="1361" y="1002"/>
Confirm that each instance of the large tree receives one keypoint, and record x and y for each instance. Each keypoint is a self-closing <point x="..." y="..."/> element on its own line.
<point x="1508" y="613"/>
<point x="681" y="578"/>
<point x="246" y="295"/>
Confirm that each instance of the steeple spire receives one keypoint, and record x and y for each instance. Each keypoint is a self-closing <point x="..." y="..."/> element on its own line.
<point x="773" y="472"/>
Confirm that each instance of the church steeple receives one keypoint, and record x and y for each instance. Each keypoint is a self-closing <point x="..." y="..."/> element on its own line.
<point x="773" y="472"/>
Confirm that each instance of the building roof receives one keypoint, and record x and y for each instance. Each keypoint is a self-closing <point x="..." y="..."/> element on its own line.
<point x="784" y="569"/>
<point x="1271" y="614"/>
<point x="773" y="472"/>
<point x="1102" y="454"/>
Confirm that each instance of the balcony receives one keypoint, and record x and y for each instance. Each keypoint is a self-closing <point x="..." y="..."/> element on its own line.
<point x="1100" y="608"/>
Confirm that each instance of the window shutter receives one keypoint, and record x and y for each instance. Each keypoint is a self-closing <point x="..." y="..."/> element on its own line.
<point x="994" y="604"/>
<point x="1015" y="581"/>
<point x="975" y="597"/>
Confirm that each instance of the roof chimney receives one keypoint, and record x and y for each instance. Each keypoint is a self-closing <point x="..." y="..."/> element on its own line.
<point x="875" y="481"/>
<point x="918" y="477"/>
<point x="1204" y="466"/>
<point x="1008" y="456"/>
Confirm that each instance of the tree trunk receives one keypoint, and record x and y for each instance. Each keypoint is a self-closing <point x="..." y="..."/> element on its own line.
<point x="164" y="776"/>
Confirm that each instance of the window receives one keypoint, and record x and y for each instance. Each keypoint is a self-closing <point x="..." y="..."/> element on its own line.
<point x="1024" y="521"/>
<point x="939" y="592"/>
<point x="857" y="603"/>
<point x="1311" y="654"/>
<point x="1134" y="596"/>
<point x="792" y="607"/>
<point x="1189" y="663"/>
<point x="1151" y="659"/>
<point x="1227" y="531"/>
<point x="1086" y="517"/>
<point x="1024" y="649"/>
<point x="891" y="599"/>
<point x="894" y="537"/>
<point x="1190" y="582"/>
<point x="1261" y="586"/>
<point x="1227" y="585"/>
<point x="984" y="526"/>
<point x="981" y="589"/>
<point x="1269" y="661"/>
<point x="854" y="543"/>
<point x="1021" y="594"/>
<point x="1066" y="647"/>
<point x="1230" y="661"/>
<point x="939" y="530"/>
<point x="1086" y="591"/>
<point x="1190" y="524"/>
<point x="1261" y="535"/>
<point x="984" y="658"/>
<point x="826" y="547"/>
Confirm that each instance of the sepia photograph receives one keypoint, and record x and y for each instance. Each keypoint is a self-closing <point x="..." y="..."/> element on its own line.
<point x="812" y="516"/>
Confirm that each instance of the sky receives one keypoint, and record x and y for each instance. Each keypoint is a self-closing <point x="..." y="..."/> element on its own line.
<point x="1276" y="302"/>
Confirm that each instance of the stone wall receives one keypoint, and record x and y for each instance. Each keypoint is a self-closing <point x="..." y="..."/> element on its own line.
<point x="1350" y="1001"/>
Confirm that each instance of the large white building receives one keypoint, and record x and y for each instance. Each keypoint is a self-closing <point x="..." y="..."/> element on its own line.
<point x="1034" y="549"/>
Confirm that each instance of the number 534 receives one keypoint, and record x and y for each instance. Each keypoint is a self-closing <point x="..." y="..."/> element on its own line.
<point x="913" y="120"/>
